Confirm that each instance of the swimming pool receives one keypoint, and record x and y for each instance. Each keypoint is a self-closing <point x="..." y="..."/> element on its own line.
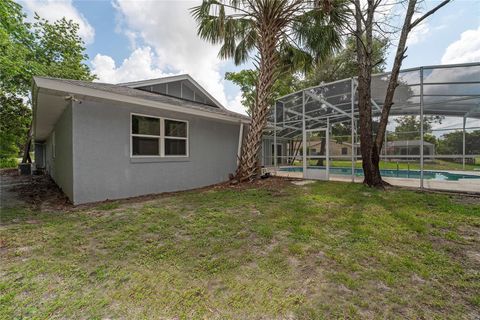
<point x="412" y="174"/>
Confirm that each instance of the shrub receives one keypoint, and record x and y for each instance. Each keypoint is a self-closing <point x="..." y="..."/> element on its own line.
<point x="8" y="163"/>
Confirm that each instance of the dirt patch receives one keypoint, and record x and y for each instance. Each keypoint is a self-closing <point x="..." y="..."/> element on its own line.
<point x="40" y="192"/>
<point x="474" y="256"/>
<point x="467" y="199"/>
<point x="8" y="172"/>
<point x="471" y="250"/>
<point x="36" y="191"/>
<point x="275" y="185"/>
<point x="303" y="182"/>
<point x="271" y="184"/>
<point x="470" y="233"/>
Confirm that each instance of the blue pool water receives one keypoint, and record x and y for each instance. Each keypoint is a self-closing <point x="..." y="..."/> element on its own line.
<point x="413" y="174"/>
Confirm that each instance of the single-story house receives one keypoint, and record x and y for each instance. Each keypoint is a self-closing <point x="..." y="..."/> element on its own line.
<point x="103" y="141"/>
<point x="336" y="148"/>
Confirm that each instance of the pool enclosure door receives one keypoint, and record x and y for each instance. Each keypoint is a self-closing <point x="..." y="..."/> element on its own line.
<point x="278" y="155"/>
<point x="316" y="160"/>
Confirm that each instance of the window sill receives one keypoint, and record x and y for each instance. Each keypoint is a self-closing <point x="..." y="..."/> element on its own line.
<point x="158" y="159"/>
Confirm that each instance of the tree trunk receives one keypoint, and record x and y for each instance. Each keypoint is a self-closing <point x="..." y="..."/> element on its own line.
<point x="248" y="168"/>
<point x="26" y="149"/>
<point x="368" y="150"/>
<point x="371" y="147"/>
<point x="295" y="153"/>
<point x="322" y="152"/>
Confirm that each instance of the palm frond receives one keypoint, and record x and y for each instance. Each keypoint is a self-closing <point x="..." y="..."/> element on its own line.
<point x="319" y="31"/>
<point x="232" y="31"/>
<point x="293" y="58"/>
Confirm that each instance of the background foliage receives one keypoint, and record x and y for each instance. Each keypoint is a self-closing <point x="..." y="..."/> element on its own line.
<point x="41" y="48"/>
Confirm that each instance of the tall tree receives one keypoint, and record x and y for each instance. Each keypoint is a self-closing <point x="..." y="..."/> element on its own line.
<point x="273" y="30"/>
<point x="366" y="22"/>
<point x="343" y="64"/>
<point x="14" y="123"/>
<point x="452" y="143"/>
<point x="26" y="49"/>
<point x="247" y="79"/>
<point x="340" y="65"/>
<point x="408" y="127"/>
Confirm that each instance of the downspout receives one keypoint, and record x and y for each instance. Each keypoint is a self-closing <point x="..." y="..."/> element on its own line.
<point x="275" y="151"/>
<point x="73" y="108"/>
<point x="463" y="141"/>
<point x="352" y="101"/>
<point x="240" y="139"/>
<point x="304" y="137"/>
<point x="421" y="129"/>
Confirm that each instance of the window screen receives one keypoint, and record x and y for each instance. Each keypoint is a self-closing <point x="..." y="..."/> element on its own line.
<point x="145" y="125"/>
<point x="175" y="138"/>
<point x="175" y="147"/>
<point x="143" y="146"/>
<point x="149" y="139"/>
<point x="145" y="136"/>
<point x="175" y="128"/>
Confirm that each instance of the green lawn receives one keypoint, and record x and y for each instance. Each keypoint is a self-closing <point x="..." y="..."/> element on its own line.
<point x="324" y="250"/>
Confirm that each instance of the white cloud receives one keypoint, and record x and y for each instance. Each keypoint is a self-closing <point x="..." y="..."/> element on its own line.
<point x="168" y="28"/>
<point x="138" y="66"/>
<point x="466" y="49"/>
<point x="236" y="105"/>
<point x="419" y="33"/>
<point x="57" y="9"/>
<point x="132" y="39"/>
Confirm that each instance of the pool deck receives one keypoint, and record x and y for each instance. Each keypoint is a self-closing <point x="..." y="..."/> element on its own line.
<point x="462" y="185"/>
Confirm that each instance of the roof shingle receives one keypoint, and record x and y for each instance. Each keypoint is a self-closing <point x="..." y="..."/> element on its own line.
<point x="154" y="97"/>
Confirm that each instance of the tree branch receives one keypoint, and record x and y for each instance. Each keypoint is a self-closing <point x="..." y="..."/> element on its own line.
<point x="429" y="13"/>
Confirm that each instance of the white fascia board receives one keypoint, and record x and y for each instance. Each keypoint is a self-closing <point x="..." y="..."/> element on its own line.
<point x="179" y="77"/>
<point x="73" y="89"/>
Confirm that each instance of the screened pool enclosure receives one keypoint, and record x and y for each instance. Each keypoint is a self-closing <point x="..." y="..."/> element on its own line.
<point x="432" y="140"/>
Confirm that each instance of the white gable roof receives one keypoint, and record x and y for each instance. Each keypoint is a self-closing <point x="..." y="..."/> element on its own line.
<point x="180" y="77"/>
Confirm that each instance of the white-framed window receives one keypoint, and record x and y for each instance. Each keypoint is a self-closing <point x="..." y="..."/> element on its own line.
<point x="158" y="137"/>
<point x="145" y="136"/>
<point x="176" y="139"/>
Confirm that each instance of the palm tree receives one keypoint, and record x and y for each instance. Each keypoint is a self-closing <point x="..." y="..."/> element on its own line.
<point x="274" y="31"/>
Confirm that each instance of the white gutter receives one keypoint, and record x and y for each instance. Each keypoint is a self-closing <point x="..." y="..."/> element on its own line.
<point x="51" y="84"/>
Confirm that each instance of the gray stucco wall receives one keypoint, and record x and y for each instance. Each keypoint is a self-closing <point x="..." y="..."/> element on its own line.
<point x="103" y="168"/>
<point x="60" y="165"/>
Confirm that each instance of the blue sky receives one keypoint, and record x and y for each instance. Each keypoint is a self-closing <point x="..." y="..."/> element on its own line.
<point x="132" y="40"/>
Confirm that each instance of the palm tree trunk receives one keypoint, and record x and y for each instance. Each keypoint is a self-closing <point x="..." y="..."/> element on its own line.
<point x="248" y="168"/>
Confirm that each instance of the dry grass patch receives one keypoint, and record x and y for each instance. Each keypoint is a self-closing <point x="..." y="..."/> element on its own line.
<point x="267" y="250"/>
